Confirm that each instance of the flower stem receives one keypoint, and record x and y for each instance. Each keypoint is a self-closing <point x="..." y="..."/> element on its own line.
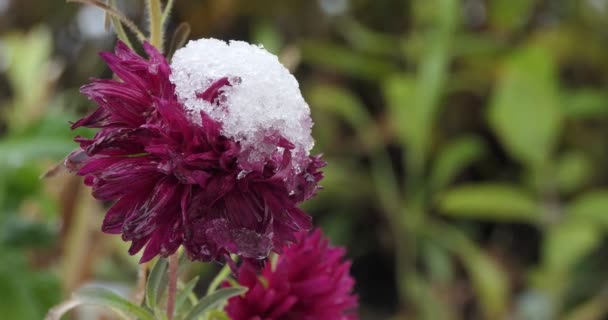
<point x="140" y="290"/>
<point x="173" y="267"/>
<point x="156" y="27"/>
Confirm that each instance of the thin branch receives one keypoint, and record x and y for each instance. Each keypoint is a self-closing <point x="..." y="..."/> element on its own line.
<point x="112" y="11"/>
<point x="106" y="18"/>
<point x="167" y="11"/>
<point x="118" y="28"/>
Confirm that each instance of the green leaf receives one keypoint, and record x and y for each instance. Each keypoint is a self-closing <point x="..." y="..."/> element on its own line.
<point x="217" y="315"/>
<point x="566" y="243"/>
<point x="16" y="152"/>
<point x="400" y="94"/>
<point x="185" y="292"/>
<point x="267" y="34"/>
<point x="345" y="60"/>
<point x="26" y="293"/>
<point x="100" y="297"/>
<point x="365" y="39"/>
<point x="573" y="171"/>
<point x="439" y="263"/>
<point x="510" y="15"/>
<point x="585" y="103"/>
<point x="153" y="287"/>
<point x="591" y="207"/>
<point x="219" y="278"/>
<point x="525" y="109"/>
<point x="490" y="282"/>
<point x="431" y="77"/>
<point x="453" y="158"/>
<point x="20" y="232"/>
<point x="592" y="309"/>
<point x="426" y="300"/>
<point x="489" y="202"/>
<point x="213" y="300"/>
<point x="345" y="105"/>
<point x="30" y="73"/>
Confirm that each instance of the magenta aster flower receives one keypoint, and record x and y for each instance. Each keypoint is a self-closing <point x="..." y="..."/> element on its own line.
<point x="210" y="152"/>
<point x="310" y="281"/>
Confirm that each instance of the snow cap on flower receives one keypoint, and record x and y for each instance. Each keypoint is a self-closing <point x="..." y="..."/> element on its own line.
<point x="174" y="173"/>
<point x="310" y="281"/>
<point x="260" y="103"/>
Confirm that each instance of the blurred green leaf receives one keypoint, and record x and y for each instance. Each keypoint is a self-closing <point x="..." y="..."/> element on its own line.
<point x="438" y="261"/>
<point x="566" y="243"/>
<point x="217" y="315"/>
<point x="25" y="293"/>
<point x="16" y="152"/>
<point x="400" y="94"/>
<point x="510" y="15"/>
<point x="22" y="233"/>
<point x="265" y="33"/>
<point x="367" y="40"/>
<point x="20" y="182"/>
<point x="29" y="73"/>
<point x="573" y="171"/>
<point x="453" y="158"/>
<point x="592" y="207"/>
<point x="415" y="104"/>
<point x="592" y="309"/>
<point x="525" y="111"/>
<point x="212" y="301"/>
<point x="585" y="103"/>
<point x="490" y="282"/>
<point x="427" y="301"/>
<point x="345" y="60"/>
<point x="101" y="297"/>
<point x="346" y="106"/>
<point x="489" y="202"/>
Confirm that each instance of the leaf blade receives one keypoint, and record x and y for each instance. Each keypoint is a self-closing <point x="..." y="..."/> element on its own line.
<point x="101" y="297"/>
<point x="154" y="282"/>
<point x="489" y="201"/>
<point x="213" y="300"/>
<point x="525" y="110"/>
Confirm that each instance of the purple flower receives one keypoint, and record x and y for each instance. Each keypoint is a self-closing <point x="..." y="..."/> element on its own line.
<point x="177" y="179"/>
<point x="310" y="281"/>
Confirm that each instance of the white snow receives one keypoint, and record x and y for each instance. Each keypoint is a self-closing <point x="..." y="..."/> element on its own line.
<point x="263" y="101"/>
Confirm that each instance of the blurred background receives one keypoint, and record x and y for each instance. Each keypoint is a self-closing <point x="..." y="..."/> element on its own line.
<point x="467" y="143"/>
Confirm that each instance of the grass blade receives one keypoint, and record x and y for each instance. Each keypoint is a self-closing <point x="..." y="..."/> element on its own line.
<point x="213" y="300"/>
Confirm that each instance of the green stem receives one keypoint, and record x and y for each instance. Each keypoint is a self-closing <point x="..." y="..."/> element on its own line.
<point x="119" y="29"/>
<point x="156" y="26"/>
<point x="113" y="12"/>
<point x="172" y="292"/>
<point x="167" y="11"/>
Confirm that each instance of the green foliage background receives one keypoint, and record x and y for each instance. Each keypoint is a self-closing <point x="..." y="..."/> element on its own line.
<point x="467" y="143"/>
